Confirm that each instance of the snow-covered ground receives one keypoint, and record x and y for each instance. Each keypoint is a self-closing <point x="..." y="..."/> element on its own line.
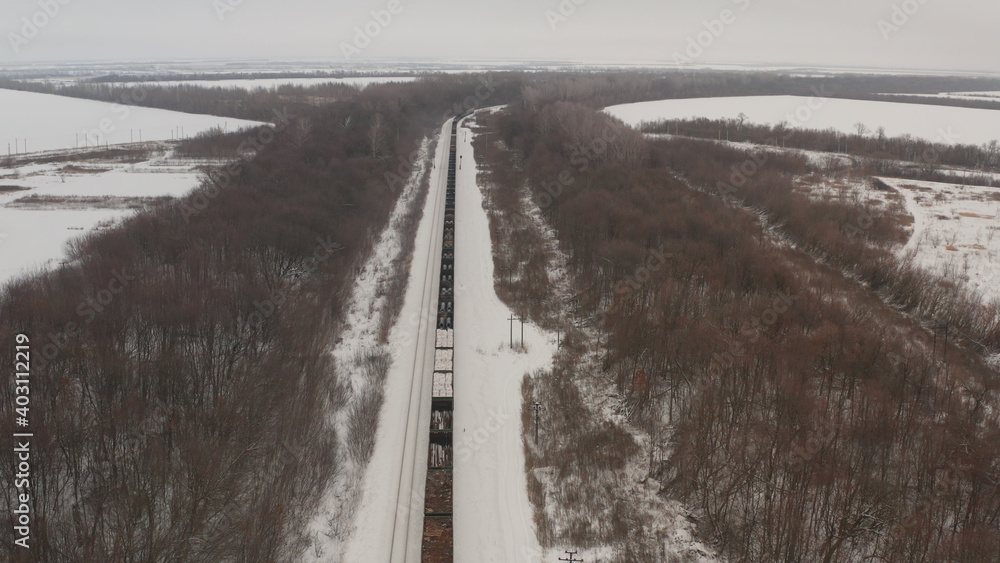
<point x="956" y="232"/>
<point x="273" y="83"/>
<point x="34" y="236"/>
<point x="933" y="123"/>
<point x="366" y="488"/>
<point x="389" y="519"/>
<point x="493" y="516"/>
<point x="46" y="122"/>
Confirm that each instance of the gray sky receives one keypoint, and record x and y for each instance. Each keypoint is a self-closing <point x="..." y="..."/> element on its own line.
<point x="939" y="34"/>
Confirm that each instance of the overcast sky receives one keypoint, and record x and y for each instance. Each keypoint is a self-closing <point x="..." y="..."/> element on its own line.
<point x="939" y="34"/>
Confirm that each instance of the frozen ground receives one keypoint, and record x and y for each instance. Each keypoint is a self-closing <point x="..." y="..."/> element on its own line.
<point x="956" y="227"/>
<point x="964" y="125"/>
<point x="388" y="523"/>
<point x="956" y="232"/>
<point x="48" y="122"/>
<point x="493" y="516"/>
<point x="35" y="236"/>
<point x="333" y="529"/>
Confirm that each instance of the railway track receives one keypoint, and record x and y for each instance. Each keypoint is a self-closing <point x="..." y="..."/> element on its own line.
<point x="422" y="523"/>
<point x="438" y="530"/>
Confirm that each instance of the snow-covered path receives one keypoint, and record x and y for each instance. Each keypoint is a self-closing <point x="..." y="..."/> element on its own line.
<point x="492" y="514"/>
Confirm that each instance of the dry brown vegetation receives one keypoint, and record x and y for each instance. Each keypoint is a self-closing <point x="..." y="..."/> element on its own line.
<point x="185" y="418"/>
<point x="777" y="363"/>
<point x="880" y="154"/>
<point x="85" y="202"/>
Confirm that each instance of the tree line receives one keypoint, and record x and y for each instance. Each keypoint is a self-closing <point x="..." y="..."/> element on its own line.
<point x="809" y="397"/>
<point x="873" y="146"/>
<point x="183" y="416"/>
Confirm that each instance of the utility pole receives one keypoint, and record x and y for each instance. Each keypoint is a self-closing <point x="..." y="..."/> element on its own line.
<point x="522" y="332"/>
<point x="572" y="557"/>
<point x="944" y="350"/>
<point x="512" y="331"/>
<point x="537" y="408"/>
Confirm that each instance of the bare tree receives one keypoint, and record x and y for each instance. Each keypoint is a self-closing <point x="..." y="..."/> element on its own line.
<point x="377" y="136"/>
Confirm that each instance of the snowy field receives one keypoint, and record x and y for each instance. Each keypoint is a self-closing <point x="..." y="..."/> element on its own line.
<point x="48" y="122"/>
<point x="493" y="516"/>
<point x="77" y="198"/>
<point x="964" y="125"/>
<point x="956" y="232"/>
<point x="273" y="83"/>
<point x="956" y="227"/>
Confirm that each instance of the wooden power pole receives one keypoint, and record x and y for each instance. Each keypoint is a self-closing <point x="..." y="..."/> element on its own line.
<point x="537" y="407"/>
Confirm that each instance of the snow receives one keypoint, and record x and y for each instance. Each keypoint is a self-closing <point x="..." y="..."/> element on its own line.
<point x="444" y="385"/>
<point x="389" y="518"/>
<point x="933" y="123"/>
<point x="35" y="237"/>
<point x="49" y="122"/>
<point x="956" y="232"/>
<point x="445" y="338"/>
<point x="356" y="517"/>
<point x="492" y="513"/>
<point x="274" y="83"/>
<point x="33" y="240"/>
<point x="442" y="360"/>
